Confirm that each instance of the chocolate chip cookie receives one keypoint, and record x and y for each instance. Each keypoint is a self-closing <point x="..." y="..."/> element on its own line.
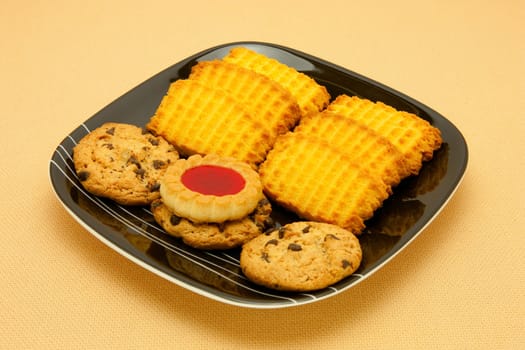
<point x="301" y="256"/>
<point x="123" y="162"/>
<point x="214" y="236"/>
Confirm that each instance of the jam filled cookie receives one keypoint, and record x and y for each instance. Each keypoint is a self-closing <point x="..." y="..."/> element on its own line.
<point x="211" y="188"/>
<point x="123" y="162"/>
<point x="301" y="256"/>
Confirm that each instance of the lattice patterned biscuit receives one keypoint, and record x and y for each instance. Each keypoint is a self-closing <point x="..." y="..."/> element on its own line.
<point x="313" y="179"/>
<point x="301" y="256"/>
<point x="201" y="120"/>
<point x="413" y="136"/>
<point x="311" y="96"/>
<point x="360" y="143"/>
<point x="265" y="99"/>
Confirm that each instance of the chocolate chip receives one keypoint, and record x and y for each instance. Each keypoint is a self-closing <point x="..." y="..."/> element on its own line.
<point x="153" y="141"/>
<point x="158" y="164"/>
<point x="346" y="263"/>
<point x="156" y="204"/>
<point x="262" y="222"/>
<point x="154" y="187"/>
<point x="264" y="207"/>
<point x="306" y="229"/>
<point x="134" y="160"/>
<point x="295" y="247"/>
<point x="265" y="257"/>
<point x="268" y="222"/>
<point x="140" y="172"/>
<point x="281" y="232"/>
<point x="83" y="175"/>
<point x="260" y="225"/>
<point x="174" y="220"/>
<point x="221" y="226"/>
<point x="272" y="241"/>
<point x="111" y="131"/>
<point x="331" y="236"/>
<point x="108" y="145"/>
<point x="144" y="131"/>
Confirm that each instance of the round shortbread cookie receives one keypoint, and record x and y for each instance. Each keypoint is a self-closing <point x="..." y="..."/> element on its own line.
<point x="211" y="188"/>
<point x="214" y="236"/>
<point x="123" y="162"/>
<point x="301" y="256"/>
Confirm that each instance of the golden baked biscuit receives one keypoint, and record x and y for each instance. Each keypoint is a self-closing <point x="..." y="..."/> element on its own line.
<point x="412" y="135"/>
<point x="201" y="120"/>
<point x="313" y="179"/>
<point x="360" y="143"/>
<point x="311" y="96"/>
<point x="265" y="99"/>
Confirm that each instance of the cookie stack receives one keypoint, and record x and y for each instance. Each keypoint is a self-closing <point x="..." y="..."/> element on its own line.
<point x="212" y="202"/>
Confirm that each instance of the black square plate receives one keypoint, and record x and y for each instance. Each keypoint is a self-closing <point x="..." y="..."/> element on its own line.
<point x="132" y="232"/>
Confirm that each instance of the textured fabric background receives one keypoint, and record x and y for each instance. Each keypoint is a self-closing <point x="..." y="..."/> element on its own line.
<point x="460" y="284"/>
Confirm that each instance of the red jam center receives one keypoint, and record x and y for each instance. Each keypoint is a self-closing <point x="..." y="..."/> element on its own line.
<point x="213" y="180"/>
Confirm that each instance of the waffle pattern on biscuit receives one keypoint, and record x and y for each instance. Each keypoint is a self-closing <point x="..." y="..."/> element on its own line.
<point x="310" y="177"/>
<point x="311" y="96"/>
<point x="201" y="120"/>
<point x="413" y="136"/>
<point x="358" y="142"/>
<point x="265" y="99"/>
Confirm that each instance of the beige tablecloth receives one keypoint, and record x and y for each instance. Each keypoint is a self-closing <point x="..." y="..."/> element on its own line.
<point x="460" y="284"/>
